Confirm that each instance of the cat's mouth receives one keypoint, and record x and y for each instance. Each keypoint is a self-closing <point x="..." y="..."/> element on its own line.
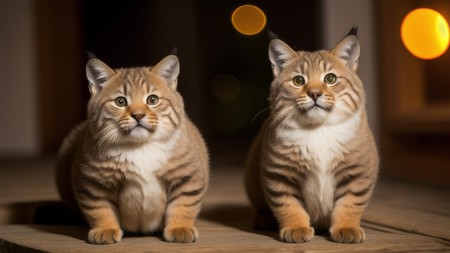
<point x="138" y="128"/>
<point x="317" y="106"/>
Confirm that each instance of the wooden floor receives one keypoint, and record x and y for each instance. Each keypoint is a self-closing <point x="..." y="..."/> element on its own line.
<point x="402" y="217"/>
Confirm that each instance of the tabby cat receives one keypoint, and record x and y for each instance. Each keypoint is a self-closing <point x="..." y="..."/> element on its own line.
<point x="137" y="163"/>
<point x="314" y="163"/>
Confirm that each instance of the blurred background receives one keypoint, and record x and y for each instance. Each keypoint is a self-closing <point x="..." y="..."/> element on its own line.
<point x="225" y="75"/>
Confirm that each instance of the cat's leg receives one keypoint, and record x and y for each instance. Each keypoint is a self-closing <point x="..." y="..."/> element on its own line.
<point x="293" y="221"/>
<point x="283" y="195"/>
<point x="182" y="210"/>
<point x="102" y="215"/>
<point x="103" y="222"/>
<point x="180" y="224"/>
<point x="292" y="218"/>
<point x="347" y="213"/>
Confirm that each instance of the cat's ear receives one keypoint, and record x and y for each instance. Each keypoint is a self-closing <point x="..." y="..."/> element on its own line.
<point x="98" y="73"/>
<point x="168" y="68"/>
<point x="347" y="51"/>
<point x="280" y="54"/>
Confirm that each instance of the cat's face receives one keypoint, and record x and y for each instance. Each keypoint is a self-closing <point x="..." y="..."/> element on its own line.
<point x="134" y="105"/>
<point x="315" y="88"/>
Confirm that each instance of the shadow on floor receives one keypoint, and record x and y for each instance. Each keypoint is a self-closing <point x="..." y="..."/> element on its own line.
<point x="236" y="216"/>
<point x="47" y="216"/>
<point x="53" y="217"/>
<point x="39" y="212"/>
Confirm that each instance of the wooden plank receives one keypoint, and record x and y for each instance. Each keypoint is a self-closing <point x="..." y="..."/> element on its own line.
<point x="213" y="238"/>
<point x="410" y="207"/>
<point x="413" y="221"/>
<point x="225" y="222"/>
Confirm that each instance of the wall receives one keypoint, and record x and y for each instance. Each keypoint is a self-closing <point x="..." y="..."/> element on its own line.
<point x="19" y="126"/>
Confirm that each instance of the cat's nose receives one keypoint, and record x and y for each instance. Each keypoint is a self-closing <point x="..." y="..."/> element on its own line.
<point x="314" y="94"/>
<point x="138" y="117"/>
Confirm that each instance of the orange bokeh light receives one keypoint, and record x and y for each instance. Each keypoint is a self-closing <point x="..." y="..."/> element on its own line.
<point x="425" y="33"/>
<point x="248" y="19"/>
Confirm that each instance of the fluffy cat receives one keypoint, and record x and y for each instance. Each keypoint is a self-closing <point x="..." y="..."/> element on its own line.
<point x="137" y="163"/>
<point x="314" y="162"/>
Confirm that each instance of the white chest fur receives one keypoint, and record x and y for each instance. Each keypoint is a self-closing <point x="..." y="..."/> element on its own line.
<point x="142" y="200"/>
<point x="321" y="145"/>
<point x="318" y="148"/>
<point x="146" y="159"/>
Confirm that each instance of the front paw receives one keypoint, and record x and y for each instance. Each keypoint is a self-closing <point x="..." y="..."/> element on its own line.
<point x="104" y="236"/>
<point x="181" y="234"/>
<point x="348" y="235"/>
<point x="296" y="234"/>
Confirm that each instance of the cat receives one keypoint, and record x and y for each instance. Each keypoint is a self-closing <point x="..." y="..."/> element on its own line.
<point x="137" y="163"/>
<point x="314" y="163"/>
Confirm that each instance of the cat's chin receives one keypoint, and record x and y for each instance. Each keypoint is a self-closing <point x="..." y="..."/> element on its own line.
<point x="314" y="116"/>
<point x="138" y="134"/>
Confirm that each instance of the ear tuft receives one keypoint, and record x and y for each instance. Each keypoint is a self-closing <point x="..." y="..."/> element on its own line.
<point x="91" y="55"/>
<point x="348" y="50"/>
<point x="353" y="31"/>
<point x="280" y="54"/>
<point x="272" y="35"/>
<point x="98" y="73"/>
<point x="168" y="68"/>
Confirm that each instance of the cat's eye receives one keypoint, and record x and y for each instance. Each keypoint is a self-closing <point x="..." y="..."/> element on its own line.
<point x="298" y="80"/>
<point x="152" y="100"/>
<point x="330" y="79"/>
<point x="120" y="101"/>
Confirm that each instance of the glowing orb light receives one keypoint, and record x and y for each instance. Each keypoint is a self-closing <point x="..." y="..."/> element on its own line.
<point x="248" y="19"/>
<point x="425" y="33"/>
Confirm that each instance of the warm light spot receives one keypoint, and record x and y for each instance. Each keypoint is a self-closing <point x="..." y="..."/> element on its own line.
<point x="225" y="87"/>
<point x="425" y="33"/>
<point x="248" y="19"/>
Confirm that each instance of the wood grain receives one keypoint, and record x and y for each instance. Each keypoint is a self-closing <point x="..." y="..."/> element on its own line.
<point x="401" y="218"/>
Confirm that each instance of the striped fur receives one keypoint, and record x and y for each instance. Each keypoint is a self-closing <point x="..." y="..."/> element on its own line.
<point x="137" y="163"/>
<point x="314" y="163"/>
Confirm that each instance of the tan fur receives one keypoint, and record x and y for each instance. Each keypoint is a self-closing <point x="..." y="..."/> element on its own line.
<point x="314" y="162"/>
<point x="139" y="166"/>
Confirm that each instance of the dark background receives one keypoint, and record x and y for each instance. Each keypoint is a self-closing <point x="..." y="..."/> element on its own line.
<point x="141" y="33"/>
<point x="225" y="75"/>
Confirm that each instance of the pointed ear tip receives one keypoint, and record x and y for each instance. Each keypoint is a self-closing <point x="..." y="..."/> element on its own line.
<point x="275" y="43"/>
<point x="276" y="40"/>
<point x="354" y="39"/>
<point x="94" y="61"/>
<point x="89" y="64"/>
<point x="90" y="61"/>
<point x="172" y="57"/>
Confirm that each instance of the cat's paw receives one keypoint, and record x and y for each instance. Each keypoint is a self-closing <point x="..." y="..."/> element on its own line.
<point x="348" y="235"/>
<point x="181" y="234"/>
<point x="104" y="236"/>
<point x="296" y="234"/>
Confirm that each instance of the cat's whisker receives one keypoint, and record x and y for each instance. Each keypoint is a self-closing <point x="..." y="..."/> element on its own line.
<point x="259" y="113"/>
<point x="278" y="118"/>
<point x="107" y="136"/>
